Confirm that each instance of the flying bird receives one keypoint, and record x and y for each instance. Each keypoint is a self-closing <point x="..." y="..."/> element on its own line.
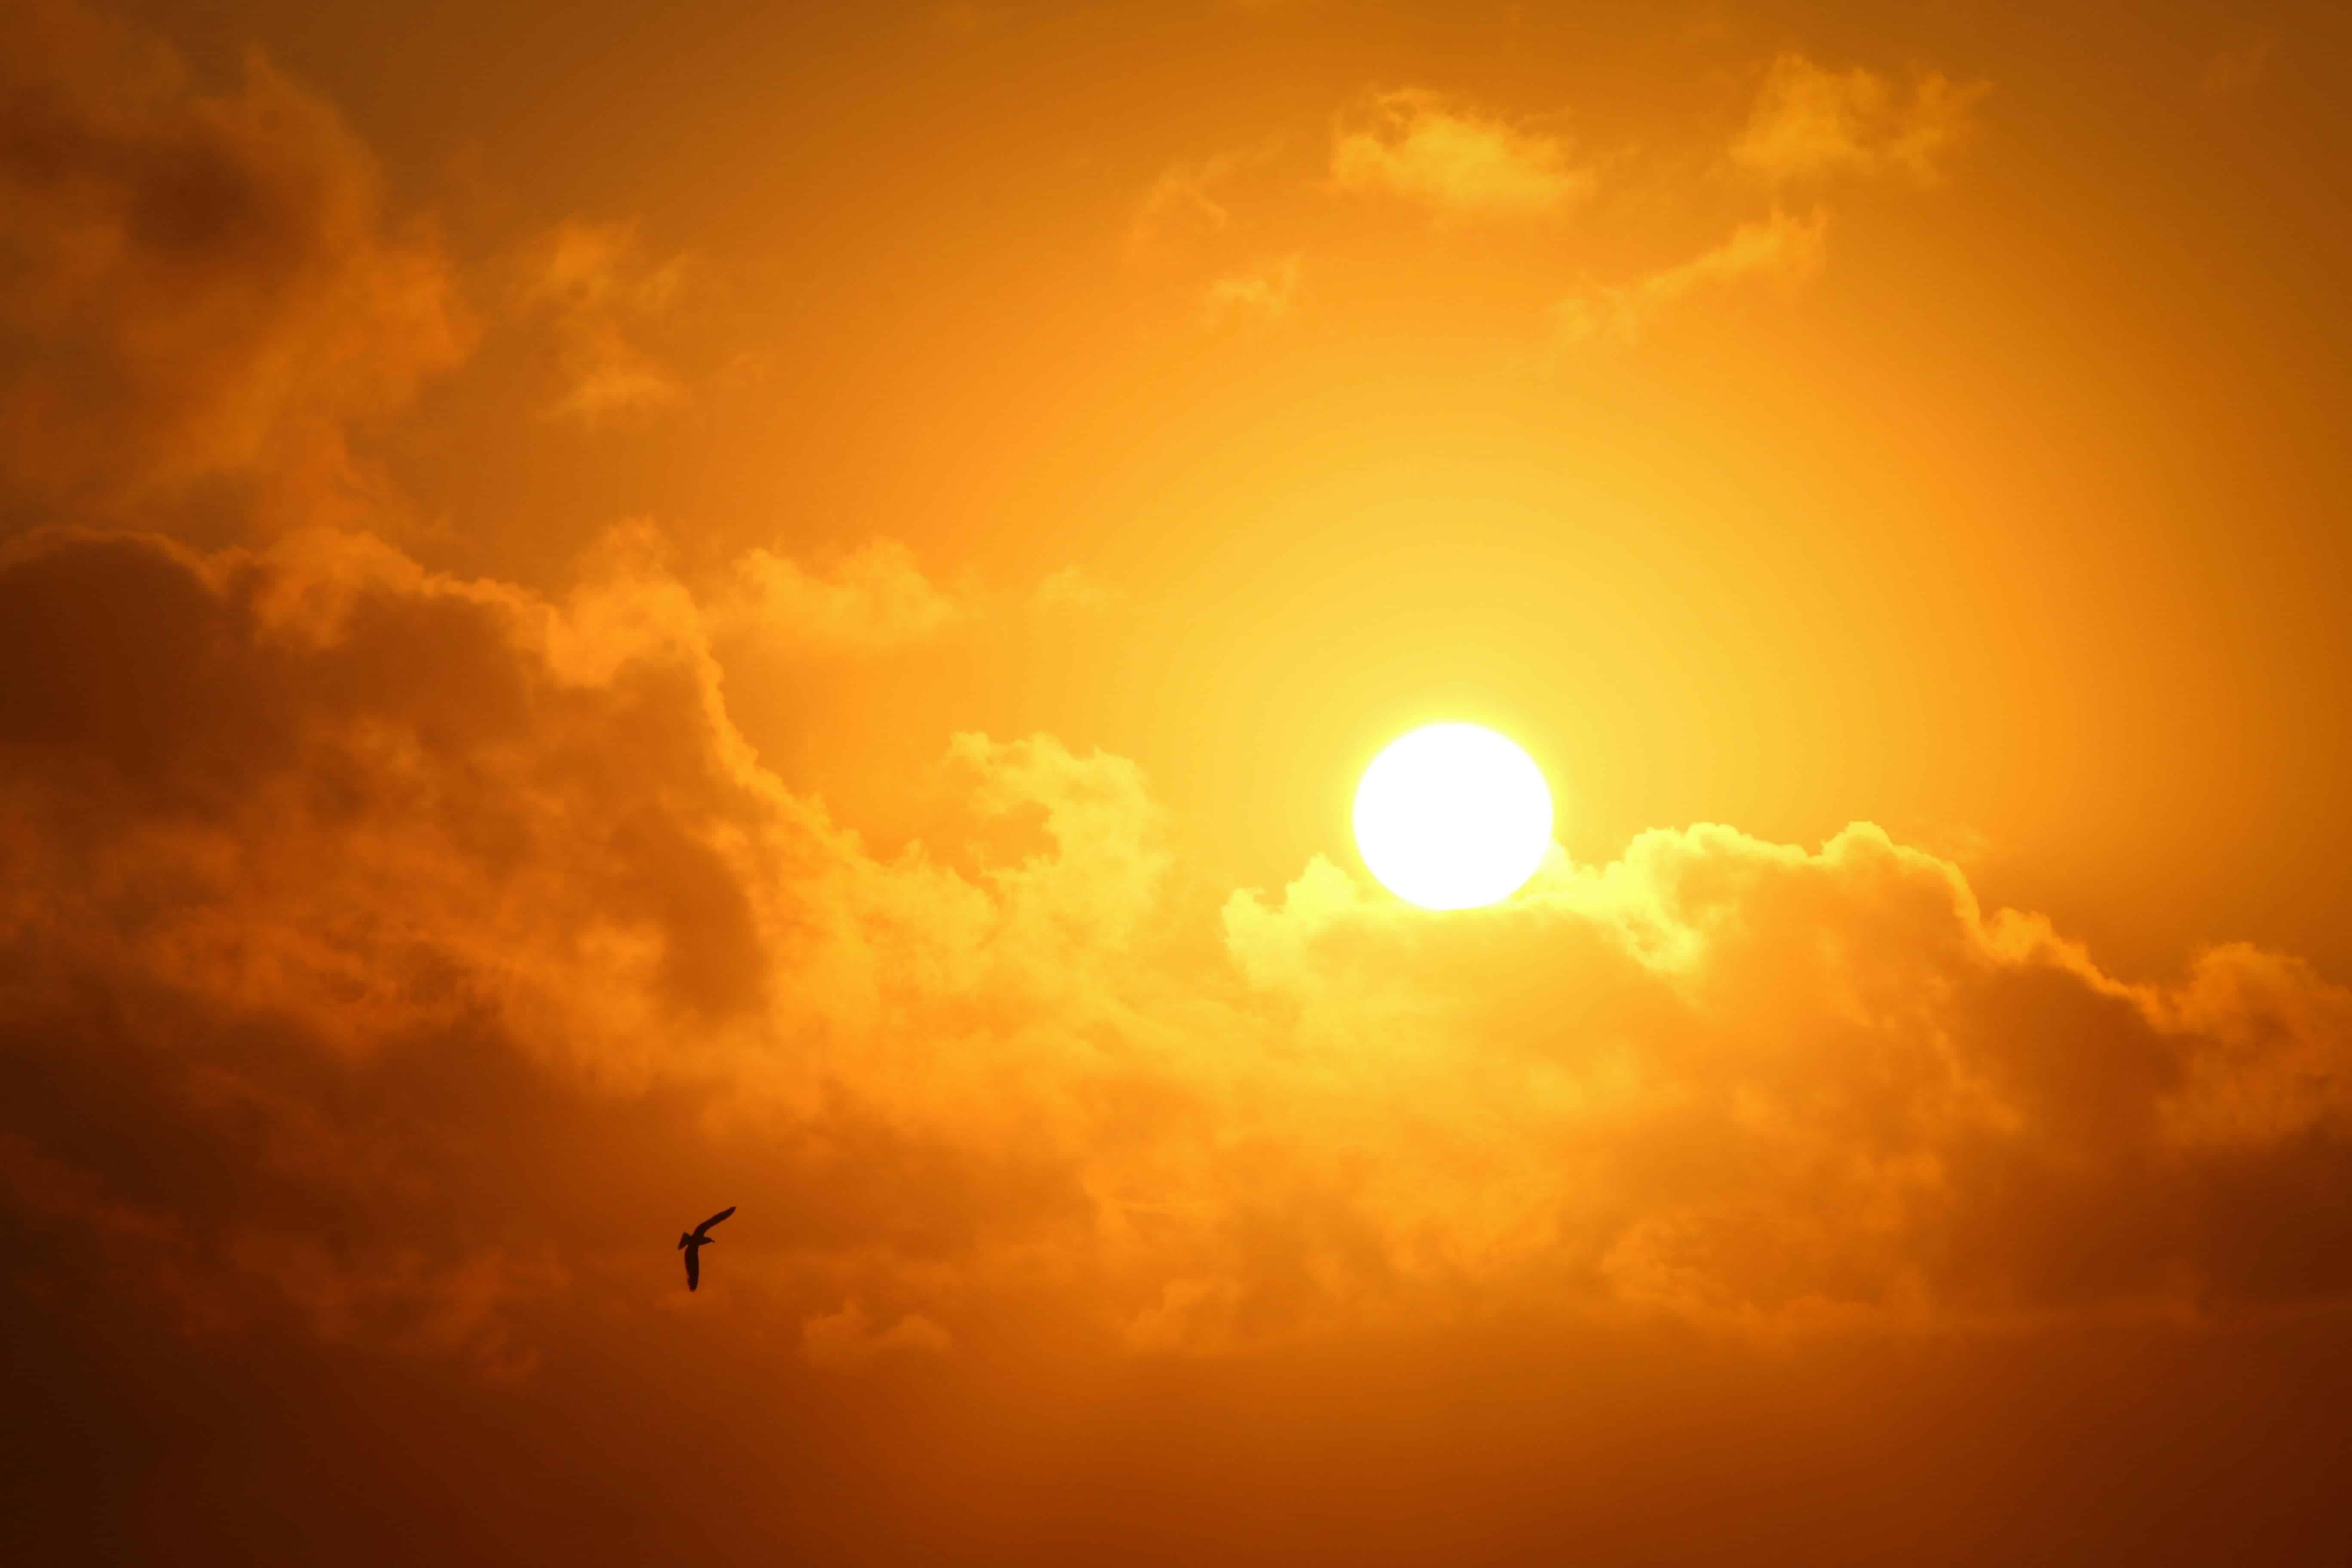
<point x="692" y="1242"/>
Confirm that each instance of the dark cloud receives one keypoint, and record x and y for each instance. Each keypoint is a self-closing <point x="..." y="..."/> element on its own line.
<point x="350" y="907"/>
<point x="391" y="963"/>
<point x="202" y="285"/>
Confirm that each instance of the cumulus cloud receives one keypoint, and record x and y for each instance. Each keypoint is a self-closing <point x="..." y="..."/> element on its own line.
<point x="874" y="598"/>
<point x="1811" y="122"/>
<point x="1783" y="250"/>
<point x="1456" y="159"/>
<point x="386" y="954"/>
<point x="594" y="287"/>
<point x="1828" y="1085"/>
<point x="391" y="961"/>
<point x="204" y="282"/>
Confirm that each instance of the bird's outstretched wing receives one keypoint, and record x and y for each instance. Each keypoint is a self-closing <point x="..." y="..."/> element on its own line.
<point x="705" y="1227"/>
<point x="693" y="1266"/>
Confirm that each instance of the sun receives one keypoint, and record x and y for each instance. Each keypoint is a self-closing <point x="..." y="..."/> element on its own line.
<point x="1451" y="816"/>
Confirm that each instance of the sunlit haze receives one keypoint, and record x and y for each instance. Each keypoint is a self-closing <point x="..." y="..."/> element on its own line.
<point x="613" y="613"/>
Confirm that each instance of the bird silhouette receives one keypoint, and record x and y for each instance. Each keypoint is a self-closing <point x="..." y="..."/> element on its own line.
<point x="692" y="1242"/>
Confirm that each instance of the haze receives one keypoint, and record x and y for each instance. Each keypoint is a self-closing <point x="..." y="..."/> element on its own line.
<point x="609" y="611"/>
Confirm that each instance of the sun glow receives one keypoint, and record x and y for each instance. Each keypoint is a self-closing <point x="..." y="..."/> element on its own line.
<point x="1451" y="816"/>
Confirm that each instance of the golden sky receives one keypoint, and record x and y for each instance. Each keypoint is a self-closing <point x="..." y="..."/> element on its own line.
<point x="606" y="611"/>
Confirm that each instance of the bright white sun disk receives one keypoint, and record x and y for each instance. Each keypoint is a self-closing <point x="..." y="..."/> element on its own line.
<point x="1451" y="816"/>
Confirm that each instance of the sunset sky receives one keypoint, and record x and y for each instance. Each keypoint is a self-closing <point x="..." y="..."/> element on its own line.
<point x="606" y="611"/>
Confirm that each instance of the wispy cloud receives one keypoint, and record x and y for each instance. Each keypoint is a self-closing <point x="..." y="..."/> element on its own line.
<point x="1783" y="249"/>
<point x="872" y="599"/>
<point x="1264" y="294"/>
<point x="1811" y="122"/>
<point x="596" y="288"/>
<point x="1186" y="205"/>
<point x="850" y="1337"/>
<point x="1456" y="159"/>
<point x="1070" y="589"/>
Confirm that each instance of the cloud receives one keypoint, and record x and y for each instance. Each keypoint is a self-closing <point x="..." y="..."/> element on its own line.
<point x="1784" y="250"/>
<point x="870" y="600"/>
<point x="1265" y="294"/>
<point x="1416" y="145"/>
<point x="1183" y="209"/>
<point x="596" y="288"/>
<point x="1811" y="122"/>
<point x="391" y="961"/>
<point x="1070" y="589"/>
<point x="848" y="1338"/>
<point x="1758" y="1086"/>
<point x="205" y="283"/>
<point x="384" y="955"/>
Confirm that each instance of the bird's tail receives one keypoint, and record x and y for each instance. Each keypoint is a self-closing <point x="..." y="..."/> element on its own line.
<point x="683" y="1238"/>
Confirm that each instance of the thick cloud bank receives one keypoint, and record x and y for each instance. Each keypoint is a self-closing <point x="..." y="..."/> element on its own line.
<point x="387" y="953"/>
<point x="201" y="287"/>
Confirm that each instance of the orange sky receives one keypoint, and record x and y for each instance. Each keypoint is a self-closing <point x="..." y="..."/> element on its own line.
<point x="606" y="611"/>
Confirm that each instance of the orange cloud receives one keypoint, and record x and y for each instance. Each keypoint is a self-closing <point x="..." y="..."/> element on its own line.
<point x="1070" y="589"/>
<point x="1266" y="294"/>
<point x="339" y="834"/>
<point x="1416" y="145"/>
<point x="1782" y="249"/>
<point x="394" y="957"/>
<point x="1183" y="209"/>
<point x="1828" y="1085"/>
<point x="848" y="1338"/>
<point x="872" y="599"/>
<point x="591" y="282"/>
<point x="1810" y="123"/>
<point x="205" y="284"/>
